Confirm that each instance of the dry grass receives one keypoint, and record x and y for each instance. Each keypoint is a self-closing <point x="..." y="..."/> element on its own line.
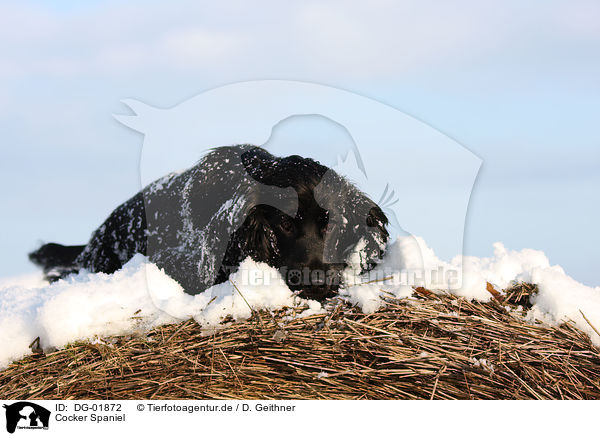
<point x="431" y="346"/>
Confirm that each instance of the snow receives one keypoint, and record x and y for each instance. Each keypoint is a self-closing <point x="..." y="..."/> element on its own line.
<point x="410" y="262"/>
<point x="33" y="280"/>
<point x="482" y="364"/>
<point x="131" y="301"/>
<point x="139" y="297"/>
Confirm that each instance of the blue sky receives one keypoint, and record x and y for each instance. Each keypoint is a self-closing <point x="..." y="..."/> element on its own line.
<point x="515" y="82"/>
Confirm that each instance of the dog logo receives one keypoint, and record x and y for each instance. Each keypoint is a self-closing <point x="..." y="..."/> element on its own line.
<point x="26" y="415"/>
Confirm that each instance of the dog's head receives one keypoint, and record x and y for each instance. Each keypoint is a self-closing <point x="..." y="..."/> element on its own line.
<point x="335" y="225"/>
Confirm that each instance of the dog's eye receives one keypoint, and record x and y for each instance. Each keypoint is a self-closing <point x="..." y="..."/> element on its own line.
<point x="371" y="221"/>
<point x="286" y="225"/>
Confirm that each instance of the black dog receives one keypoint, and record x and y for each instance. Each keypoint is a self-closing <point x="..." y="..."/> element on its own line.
<point x="38" y="418"/>
<point x="292" y="213"/>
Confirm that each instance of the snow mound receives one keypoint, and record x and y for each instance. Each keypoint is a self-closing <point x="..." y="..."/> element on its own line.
<point x="410" y="262"/>
<point x="140" y="296"/>
<point x="133" y="300"/>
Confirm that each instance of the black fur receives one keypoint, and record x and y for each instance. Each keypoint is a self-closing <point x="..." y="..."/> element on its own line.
<point x="57" y="260"/>
<point x="291" y="213"/>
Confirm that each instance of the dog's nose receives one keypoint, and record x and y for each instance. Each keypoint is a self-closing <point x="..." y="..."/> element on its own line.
<point x="324" y="278"/>
<point x="320" y="292"/>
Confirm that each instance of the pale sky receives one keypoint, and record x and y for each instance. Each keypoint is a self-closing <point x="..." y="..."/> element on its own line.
<point x="515" y="82"/>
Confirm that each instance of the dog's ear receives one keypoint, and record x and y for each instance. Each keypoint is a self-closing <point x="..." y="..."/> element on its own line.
<point x="257" y="238"/>
<point x="376" y="218"/>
